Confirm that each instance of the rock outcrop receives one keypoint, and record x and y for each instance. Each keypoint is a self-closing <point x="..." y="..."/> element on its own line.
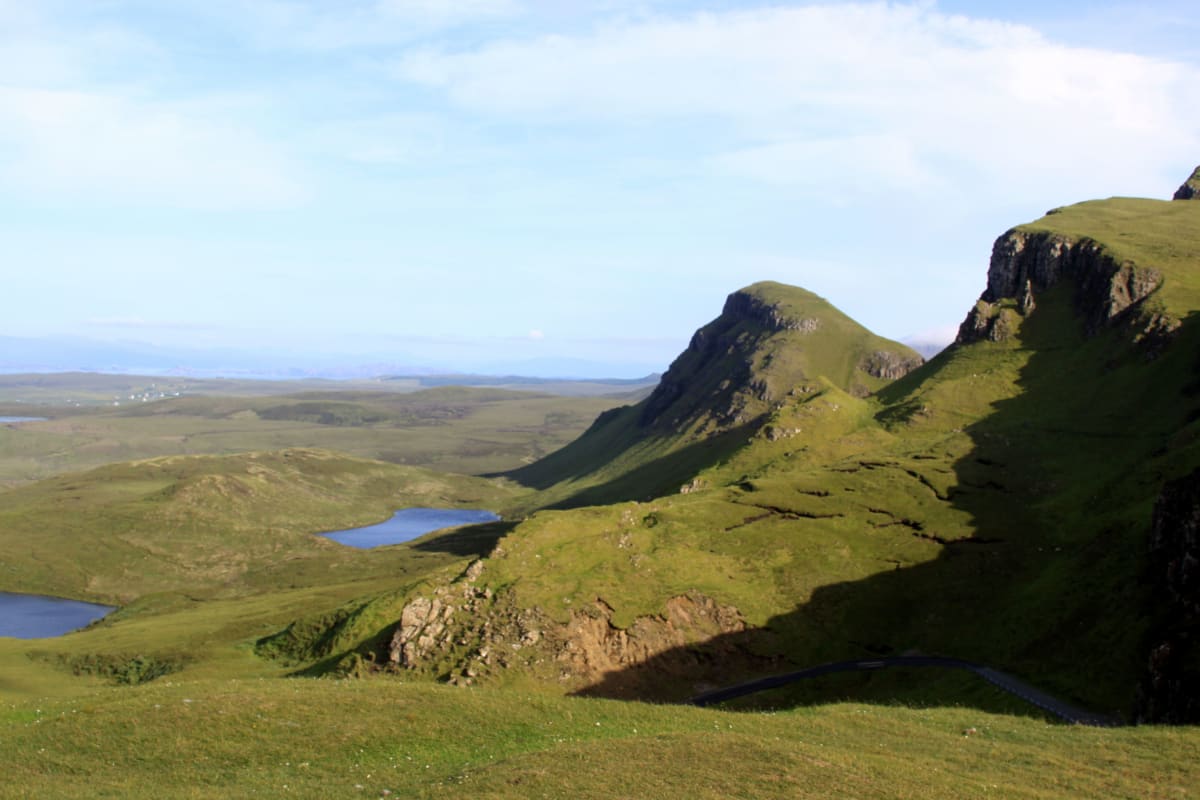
<point x="729" y="373"/>
<point x="889" y="364"/>
<point x="1024" y="264"/>
<point x="463" y="633"/>
<point x="1170" y="689"/>
<point x="746" y="306"/>
<point x="592" y="648"/>
<point x="460" y="631"/>
<point x="1190" y="190"/>
<point x="770" y="341"/>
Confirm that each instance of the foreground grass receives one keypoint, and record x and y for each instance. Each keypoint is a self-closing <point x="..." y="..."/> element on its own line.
<point x="323" y="738"/>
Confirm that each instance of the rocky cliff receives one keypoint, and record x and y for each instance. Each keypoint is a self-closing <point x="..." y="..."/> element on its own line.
<point x="1025" y="264"/>
<point x="767" y="340"/>
<point x="1111" y="253"/>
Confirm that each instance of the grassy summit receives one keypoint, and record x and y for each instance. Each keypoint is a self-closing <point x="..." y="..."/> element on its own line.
<point x="770" y="343"/>
<point x="991" y="505"/>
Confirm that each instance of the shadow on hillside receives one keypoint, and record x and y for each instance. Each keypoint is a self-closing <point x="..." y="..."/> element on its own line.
<point x="470" y="540"/>
<point x="1058" y="483"/>
<point x="663" y="475"/>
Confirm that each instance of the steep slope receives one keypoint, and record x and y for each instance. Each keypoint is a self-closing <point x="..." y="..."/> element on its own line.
<point x="994" y="505"/>
<point x="771" y="342"/>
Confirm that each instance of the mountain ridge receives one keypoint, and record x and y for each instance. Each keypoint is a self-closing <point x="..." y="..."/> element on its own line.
<point x="993" y="504"/>
<point x="769" y="342"/>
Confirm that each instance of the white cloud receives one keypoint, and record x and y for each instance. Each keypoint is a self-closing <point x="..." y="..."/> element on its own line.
<point x="58" y="143"/>
<point x="81" y="118"/>
<point x="879" y="95"/>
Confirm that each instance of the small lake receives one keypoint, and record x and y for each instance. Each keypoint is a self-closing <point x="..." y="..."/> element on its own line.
<point x="35" y="616"/>
<point x="13" y="420"/>
<point x="409" y="524"/>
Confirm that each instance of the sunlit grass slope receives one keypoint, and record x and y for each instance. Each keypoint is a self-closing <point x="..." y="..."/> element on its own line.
<point x="1161" y="234"/>
<point x="770" y="342"/>
<point x="991" y="505"/>
<point x="208" y="524"/>
<point x="321" y="739"/>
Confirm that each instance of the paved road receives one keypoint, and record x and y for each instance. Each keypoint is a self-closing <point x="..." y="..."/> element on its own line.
<point x="1001" y="680"/>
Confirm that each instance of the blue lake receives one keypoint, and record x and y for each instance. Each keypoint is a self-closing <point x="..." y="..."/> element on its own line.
<point x="34" y="616"/>
<point x="11" y="420"/>
<point x="408" y="524"/>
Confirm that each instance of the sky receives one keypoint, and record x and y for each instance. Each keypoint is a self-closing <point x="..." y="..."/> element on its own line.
<point x="469" y="184"/>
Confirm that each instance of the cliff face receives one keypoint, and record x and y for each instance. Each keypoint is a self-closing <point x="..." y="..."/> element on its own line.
<point x="770" y="342"/>
<point x="1024" y="264"/>
<point x="764" y="343"/>
<point x="715" y="374"/>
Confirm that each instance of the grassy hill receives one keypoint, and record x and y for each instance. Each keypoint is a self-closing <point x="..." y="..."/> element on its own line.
<point x="206" y="524"/>
<point x="770" y="343"/>
<point x="993" y="504"/>
<point x="839" y="502"/>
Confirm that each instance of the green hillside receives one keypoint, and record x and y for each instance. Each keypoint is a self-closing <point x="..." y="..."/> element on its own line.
<point x="796" y="491"/>
<point x="207" y="524"/>
<point x="992" y="505"/>
<point x="770" y="343"/>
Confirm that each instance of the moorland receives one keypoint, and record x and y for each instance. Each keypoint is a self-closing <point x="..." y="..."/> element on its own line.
<point x="794" y="491"/>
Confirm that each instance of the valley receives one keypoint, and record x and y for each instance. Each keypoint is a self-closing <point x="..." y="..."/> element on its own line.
<point x="794" y="491"/>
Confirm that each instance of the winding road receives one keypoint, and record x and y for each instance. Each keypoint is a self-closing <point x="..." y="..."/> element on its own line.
<point x="1002" y="680"/>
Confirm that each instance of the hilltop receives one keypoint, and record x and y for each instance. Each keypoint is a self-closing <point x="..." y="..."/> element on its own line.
<point x="993" y="504"/>
<point x="770" y="343"/>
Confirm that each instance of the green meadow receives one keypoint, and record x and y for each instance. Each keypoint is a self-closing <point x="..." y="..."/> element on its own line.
<point x="453" y="429"/>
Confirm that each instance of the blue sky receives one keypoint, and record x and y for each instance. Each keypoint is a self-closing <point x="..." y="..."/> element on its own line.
<point x="488" y="181"/>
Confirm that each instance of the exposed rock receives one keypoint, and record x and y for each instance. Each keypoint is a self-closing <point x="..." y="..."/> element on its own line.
<point x="422" y="620"/>
<point x="427" y="625"/>
<point x="889" y="365"/>
<point x="775" y="433"/>
<point x="729" y="341"/>
<point x="474" y="570"/>
<point x="1170" y="688"/>
<point x="745" y="306"/>
<point x="592" y="648"/>
<point x="1190" y="190"/>
<point x="1024" y="264"/>
<point x="991" y="321"/>
<point x="1025" y="301"/>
